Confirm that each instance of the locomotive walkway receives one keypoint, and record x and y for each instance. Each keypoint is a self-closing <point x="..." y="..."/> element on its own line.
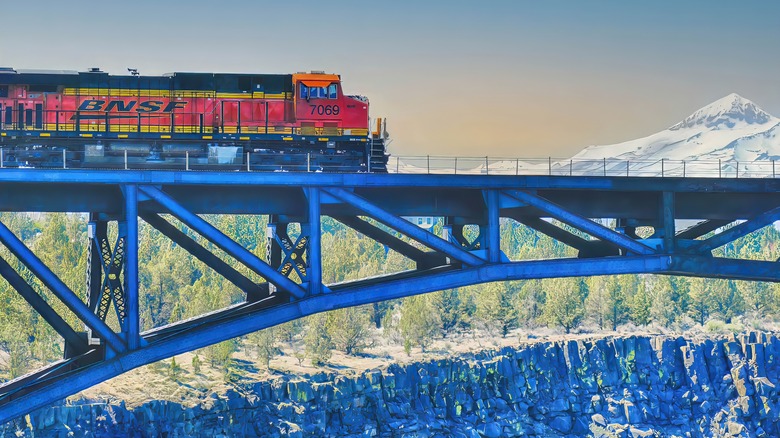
<point x="376" y="205"/>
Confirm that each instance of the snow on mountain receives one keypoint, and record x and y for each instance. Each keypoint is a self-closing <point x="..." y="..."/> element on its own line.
<point x="729" y="137"/>
<point x="731" y="128"/>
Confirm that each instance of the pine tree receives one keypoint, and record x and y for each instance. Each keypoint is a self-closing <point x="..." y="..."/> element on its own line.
<point x="617" y="297"/>
<point x="640" y="304"/>
<point x="448" y="306"/>
<point x="174" y="370"/>
<point x="318" y="342"/>
<point x="726" y="300"/>
<point x="564" y="306"/>
<point x="263" y="343"/>
<point x="529" y="302"/>
<point x="495" y="307"/>
<point x="700" y="303"/>
<point x="419" y="322"/>
<point x="596" y="304"/>
<point x="196" y="364"/>
<point x="349" y="329"/>
<point x="663" y="310"/>
<point x="758" y="297"/>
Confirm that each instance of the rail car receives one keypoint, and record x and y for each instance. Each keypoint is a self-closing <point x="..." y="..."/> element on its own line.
<point x="92" y="119"/>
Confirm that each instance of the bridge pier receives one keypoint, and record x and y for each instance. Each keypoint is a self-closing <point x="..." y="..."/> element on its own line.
<point x="104" y="269"/>
<point x="288" y="255"/>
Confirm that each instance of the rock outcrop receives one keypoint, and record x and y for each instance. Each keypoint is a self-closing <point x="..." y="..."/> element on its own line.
<point x="626" y="387"/>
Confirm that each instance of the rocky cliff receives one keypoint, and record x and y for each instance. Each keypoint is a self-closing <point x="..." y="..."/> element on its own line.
<point x="632" y="386"/>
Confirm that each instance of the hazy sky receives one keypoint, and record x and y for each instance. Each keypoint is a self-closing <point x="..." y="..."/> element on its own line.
<point x="500" y="78"/>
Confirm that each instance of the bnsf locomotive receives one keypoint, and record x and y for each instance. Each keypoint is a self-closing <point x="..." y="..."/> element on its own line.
<point x="302" y="121"/>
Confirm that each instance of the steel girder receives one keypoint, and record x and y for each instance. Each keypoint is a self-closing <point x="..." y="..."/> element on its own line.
<point x="358" y="201"/>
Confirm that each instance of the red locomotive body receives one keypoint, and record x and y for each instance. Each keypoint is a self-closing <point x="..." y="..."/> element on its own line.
<point x="270" y="122"/>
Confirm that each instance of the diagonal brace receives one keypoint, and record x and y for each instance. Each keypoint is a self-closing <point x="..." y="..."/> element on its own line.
<point x="555" y="232"/>
<point x="702" y="228"/>
<point x="582" y="223"/>
<point x="225" y="243"/>
<point x="379" y="235"/>
<point x="112" y="263"/>
<point x="199" y="252"/>
<point x="293" y="251"/>
<point x="741" y="230"/>
<point x="41" y="306"/>
<point x="429" y="239"/>
<point x="60" y="289"/>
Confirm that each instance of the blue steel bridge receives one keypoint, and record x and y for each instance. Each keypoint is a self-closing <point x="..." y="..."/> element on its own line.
<point x="717" y="211"/>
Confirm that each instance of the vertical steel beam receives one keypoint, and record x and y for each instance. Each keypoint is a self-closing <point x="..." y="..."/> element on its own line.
<point x="95" y="229"/>
<point x="60" y="289"/>
<point x="314" y="256"/>
<point x="131" y="267"/>
<point x="667" y="219"/>
<point x="493" y="226"/>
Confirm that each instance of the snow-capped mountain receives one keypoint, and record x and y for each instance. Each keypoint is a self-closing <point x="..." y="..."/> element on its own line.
<point x="731" y="128"/>
<point x="731" y="137"/>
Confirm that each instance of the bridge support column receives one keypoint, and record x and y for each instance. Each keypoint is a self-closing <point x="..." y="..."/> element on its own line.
<point x="104" y="271"/>
<point x="314" y="251"/>
<point x="288" y="255"/>
<point x="493" y="226"/>
<point x="133" y="326"/>
<point x="667" y="218"/>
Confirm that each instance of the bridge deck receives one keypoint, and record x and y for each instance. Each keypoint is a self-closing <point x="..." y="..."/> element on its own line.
<point x="400" y="194"/>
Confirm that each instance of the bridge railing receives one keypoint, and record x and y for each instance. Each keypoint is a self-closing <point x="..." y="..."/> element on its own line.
<point x="234" y="158"/>
<point x="582" y="167"/>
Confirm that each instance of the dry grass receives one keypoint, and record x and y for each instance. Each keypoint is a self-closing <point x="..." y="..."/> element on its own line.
<point x="153" y="382"/>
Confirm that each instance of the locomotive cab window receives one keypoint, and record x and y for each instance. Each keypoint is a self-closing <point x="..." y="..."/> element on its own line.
<point x="329" y="92"/>
<point x="3" y="90"/>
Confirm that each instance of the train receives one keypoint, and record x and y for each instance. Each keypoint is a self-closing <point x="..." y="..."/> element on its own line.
<point x="273" y="122"/>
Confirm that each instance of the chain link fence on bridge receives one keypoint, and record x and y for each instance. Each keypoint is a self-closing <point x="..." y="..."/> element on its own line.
<point x="441" y="165"/>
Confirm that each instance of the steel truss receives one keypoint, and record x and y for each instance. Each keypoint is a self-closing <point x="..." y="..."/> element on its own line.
<point x="373" y="205"/>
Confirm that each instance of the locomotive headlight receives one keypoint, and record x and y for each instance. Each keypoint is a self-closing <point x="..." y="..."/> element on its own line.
<point x="331" y="145"/>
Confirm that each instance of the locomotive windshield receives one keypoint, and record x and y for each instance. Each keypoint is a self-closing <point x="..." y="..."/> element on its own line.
<point x="329" y="92"/>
